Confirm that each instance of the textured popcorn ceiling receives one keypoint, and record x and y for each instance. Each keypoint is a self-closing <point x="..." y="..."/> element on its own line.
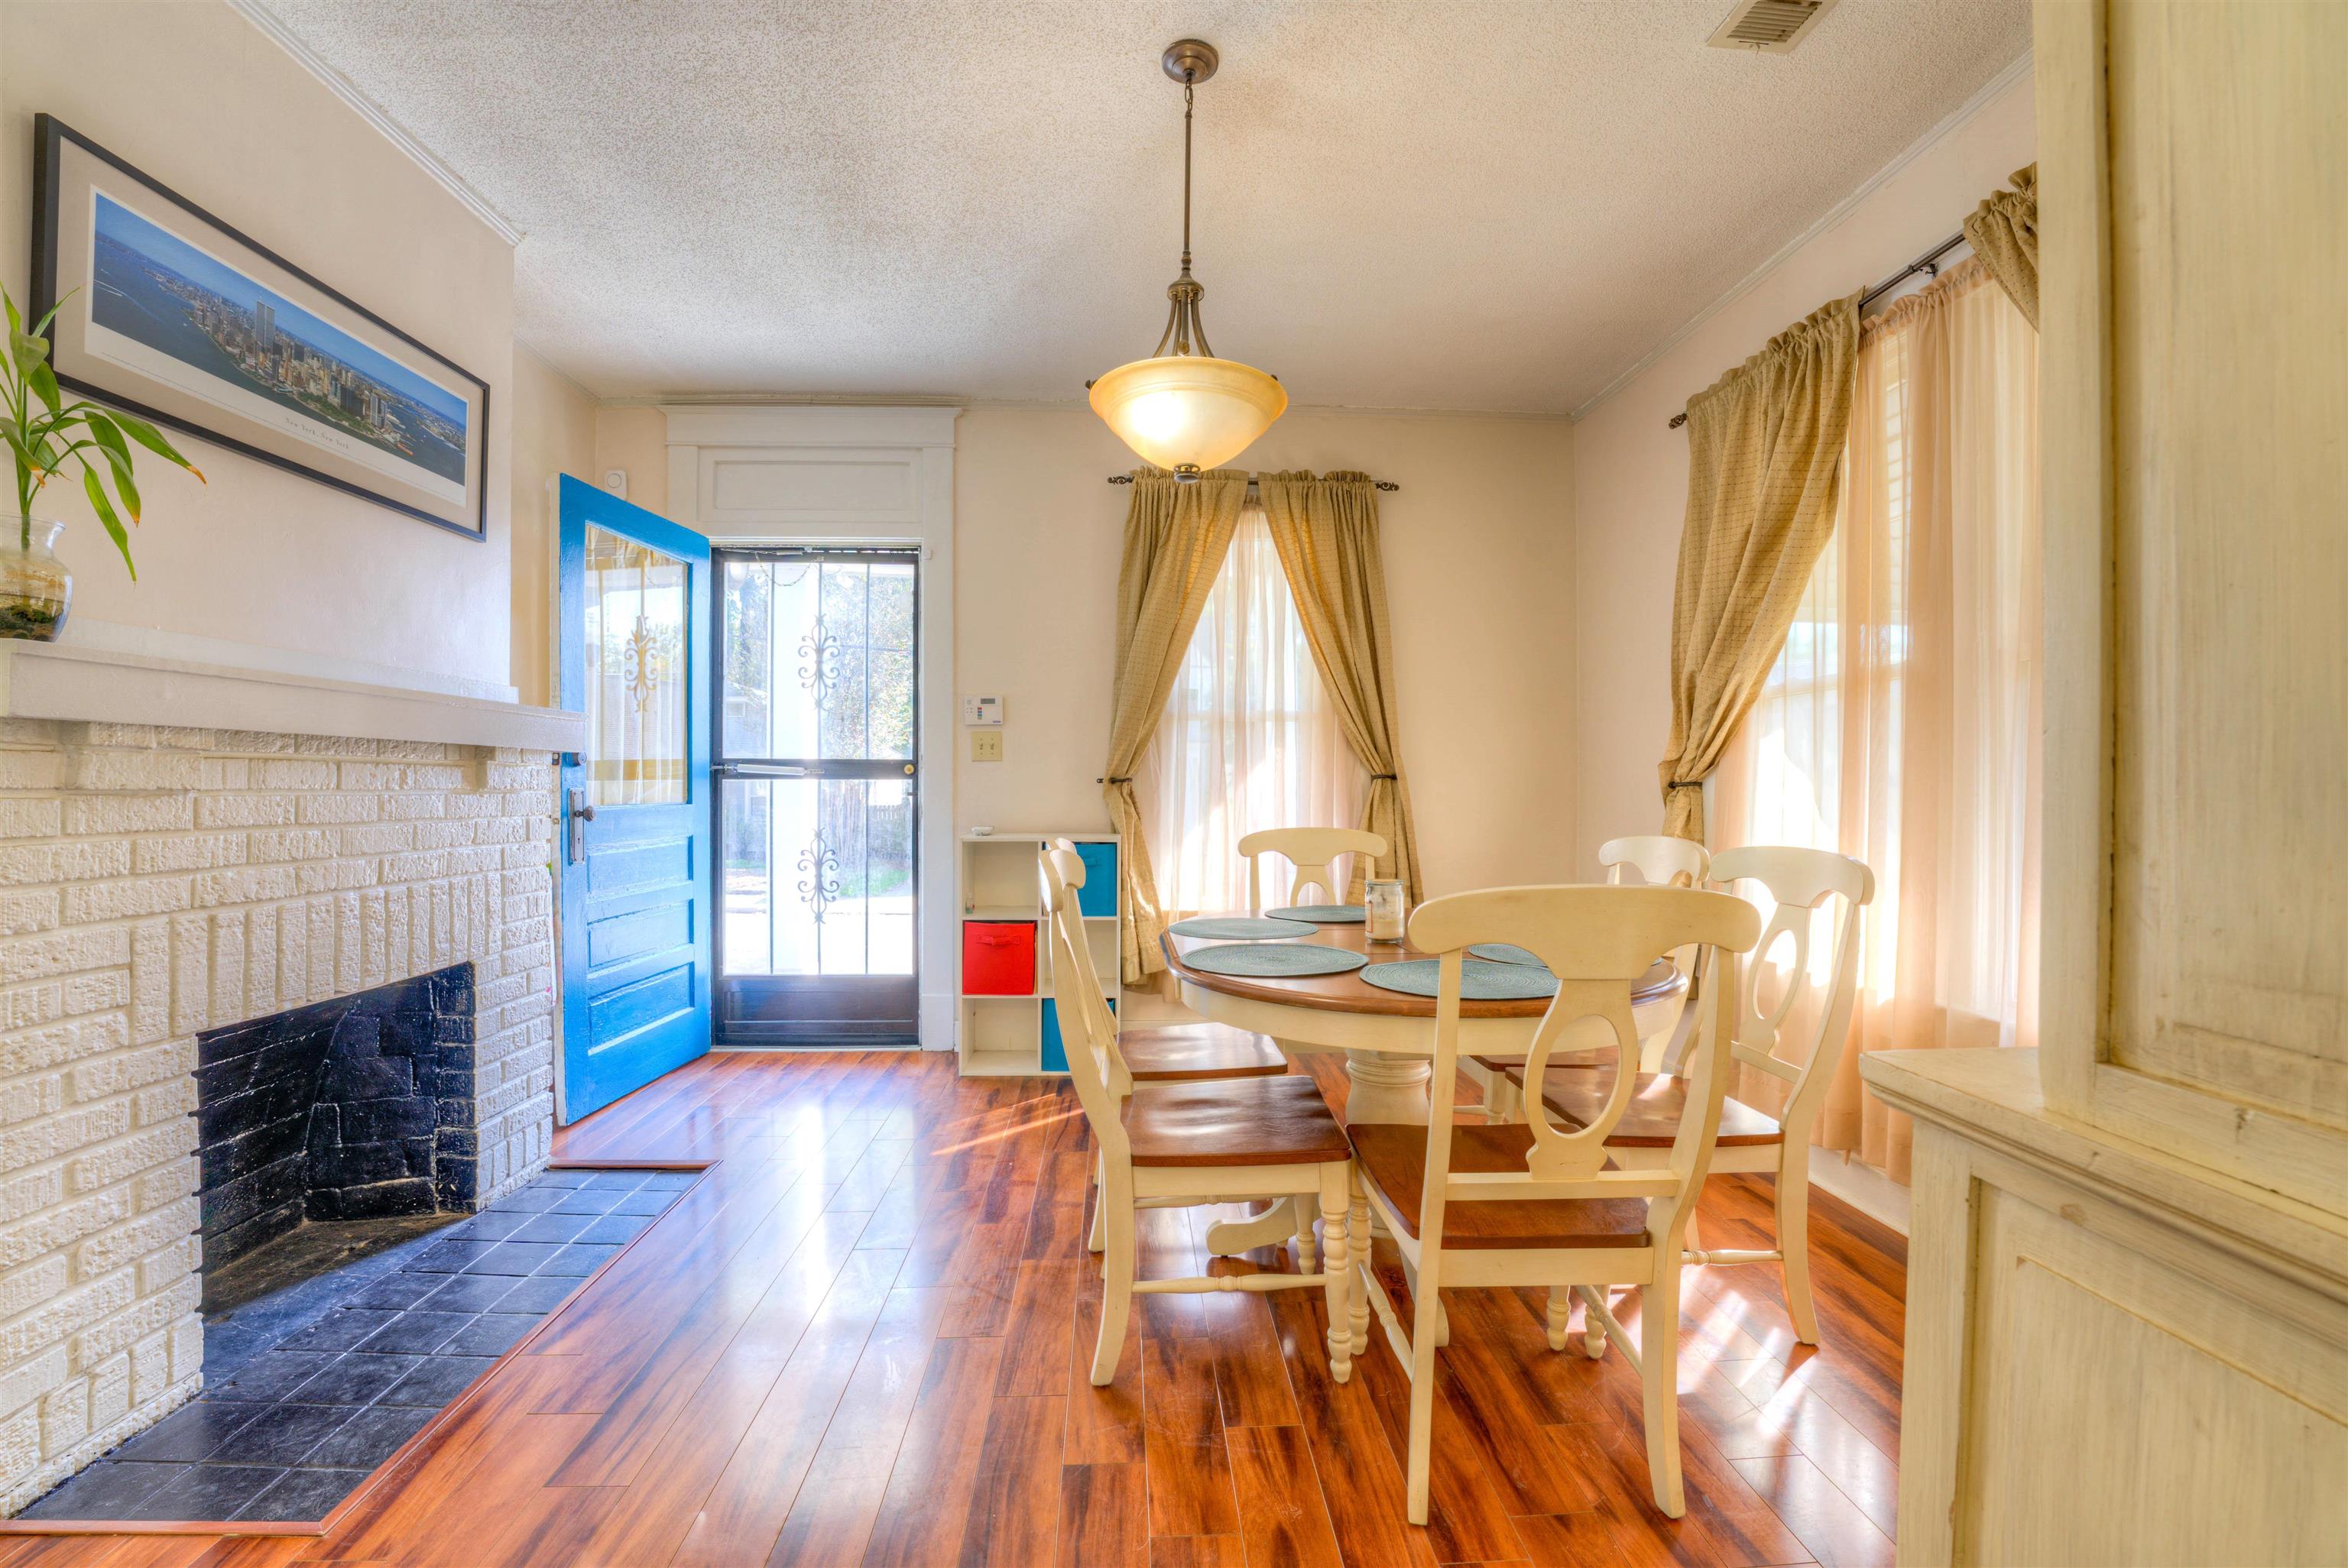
<point x="1402" y="203"/>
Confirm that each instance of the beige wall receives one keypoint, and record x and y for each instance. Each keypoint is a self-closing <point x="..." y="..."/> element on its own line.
<point x="1631" y="471"/>
<point x="195" y="96"/>
<point x="554" y="421"/>
<point x="636" y="442"/>
<point x="1480" y="572"/>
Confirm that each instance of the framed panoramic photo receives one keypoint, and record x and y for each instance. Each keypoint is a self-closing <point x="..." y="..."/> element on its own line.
<point x="172" y="314"/>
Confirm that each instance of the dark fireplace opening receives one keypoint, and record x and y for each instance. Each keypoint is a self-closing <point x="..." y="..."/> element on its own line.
<point x="355" y="1110"/>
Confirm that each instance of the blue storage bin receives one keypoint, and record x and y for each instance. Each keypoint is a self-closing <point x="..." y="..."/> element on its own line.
<point x="1098" y="894"/>
<point x="1056" y="1049"/>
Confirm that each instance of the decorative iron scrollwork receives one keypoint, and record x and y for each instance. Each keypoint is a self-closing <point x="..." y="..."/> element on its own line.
<point x="819" y="672"/>
<point x="819" y="865"/>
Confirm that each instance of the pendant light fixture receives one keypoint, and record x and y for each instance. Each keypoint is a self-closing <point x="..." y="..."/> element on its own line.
<point x="1182" y="408"/>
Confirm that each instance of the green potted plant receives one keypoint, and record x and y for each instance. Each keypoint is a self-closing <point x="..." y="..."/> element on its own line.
<point x="45" y="434"/>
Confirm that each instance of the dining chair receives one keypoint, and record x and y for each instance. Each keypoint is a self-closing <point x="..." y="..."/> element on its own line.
<point x="1515" y="1203"/>
<point x="1188" y="1143"/>
<point x="1664" y="860"/>
<point x="1311" y="851"/>
<point x="1752" y="1140"/>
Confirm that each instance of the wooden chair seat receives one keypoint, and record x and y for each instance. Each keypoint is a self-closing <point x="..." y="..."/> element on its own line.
<point x="1394" y="1157"/>
<point x="1171" y="1052"/>
<point x="1233" y="1122"/>
<point x="1651" y="1120"/>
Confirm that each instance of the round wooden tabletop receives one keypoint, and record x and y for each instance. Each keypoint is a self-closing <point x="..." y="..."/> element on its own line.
<point x="1351" y="994"/>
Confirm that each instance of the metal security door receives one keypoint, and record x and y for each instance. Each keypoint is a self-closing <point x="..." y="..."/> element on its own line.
<point x="634" y="851"/>
<point x="816" y="778"/>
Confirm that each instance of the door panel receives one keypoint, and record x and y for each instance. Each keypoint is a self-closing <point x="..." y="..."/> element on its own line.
<point x="635" y="867"/>
<point x="818" y="774"/>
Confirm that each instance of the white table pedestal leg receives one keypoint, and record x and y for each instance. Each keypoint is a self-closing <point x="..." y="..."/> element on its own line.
<point x="1387" y="1088"/>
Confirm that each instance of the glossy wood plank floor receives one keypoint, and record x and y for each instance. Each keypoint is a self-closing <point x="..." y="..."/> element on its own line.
<point x="861" y="1339"/>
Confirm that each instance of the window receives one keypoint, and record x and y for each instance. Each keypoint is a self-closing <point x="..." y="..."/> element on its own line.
<point x="1249" y="739"/>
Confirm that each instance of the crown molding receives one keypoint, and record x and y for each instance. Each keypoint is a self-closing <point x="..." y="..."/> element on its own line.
<point x="257" y="13"/>
<point x="1982" y="98"/>
<point x="1041" y="405"/>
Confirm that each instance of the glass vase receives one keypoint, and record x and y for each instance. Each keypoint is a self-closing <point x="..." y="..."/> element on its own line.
<point x="36" y="590"/>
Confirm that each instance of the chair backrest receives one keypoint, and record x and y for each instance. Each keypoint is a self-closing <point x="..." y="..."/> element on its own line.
<point x="1312" y="850"/>
<point x="1088" y="1028"/>
<point x="1800" y="881"/>
<point x="1662" y="860"/>
<point x="1596" y="941"/>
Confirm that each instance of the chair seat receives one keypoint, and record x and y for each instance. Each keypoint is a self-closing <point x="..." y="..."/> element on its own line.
<point x="1395" y="1158"/>
<point x="1233" y="1122"/>
<point x="1651" y="1120"/>
<point x="1176" y="1051"/>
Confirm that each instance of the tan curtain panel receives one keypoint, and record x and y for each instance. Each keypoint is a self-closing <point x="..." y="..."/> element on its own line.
<point x="1176" y="536"/>
<point x="1764" y="470"/>
<point x="1326" y="530"/>
<point x="2004" y="232"/>
<point x="1900" y="724"/>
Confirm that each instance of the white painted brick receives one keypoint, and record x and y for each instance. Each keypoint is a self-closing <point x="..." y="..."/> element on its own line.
<point x="110" y="1163"/>
<point x="23" y="913"/>
<point x="289" y="773"/>
<point x="31" y="770"/>
<point x="23" y="1290"/>
<point x="370" y="775"/>
<point x="249" y="885"/>
<point x="110" y="1249"/>
<point x="334" y="875"/>
<point x="22" y="1099"/>
<point x="88" y="993"/>
<point x="59" y="1225"/>
<point x="30" y="818"/>
<point x="31" y="1193"/>
<point x="191" y="982"/>
<point x="55" y="1320"/>
<point x="110" y="1392"/>
<point x="187" y="1348"/>
<point x="122" y="1330"/>
<point x="329" y="809"/>
<point x="261" y="958"/>
<point x="190" y="852"/>
<point x="20" y="1441"/>
<point x="158" y="1103"/>
<point x="64" y="1416"/>
<point x="295" y="843"/>
<point x="45" y="1001"/>
<point x="120" y="1072"/>
<point x="62" y="952"/>
<point x="150" y="981"/>
<point x="158" y="1271"/>
<point x="414" y="807"/>
<point x="125" y="772"/>
<point x="63" y="1131"/>
<point x="91" y="902"/>
<point x="244" y="810"/>
<point x="377" y="838"/>
<point x="94" y="814"/>
<point x="165" y="1185"/>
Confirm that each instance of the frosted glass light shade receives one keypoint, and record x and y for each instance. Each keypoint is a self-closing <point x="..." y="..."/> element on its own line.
<point x="1185" y="412"/>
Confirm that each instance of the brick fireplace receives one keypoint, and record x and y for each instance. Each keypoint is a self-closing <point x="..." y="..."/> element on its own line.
<point x="347" y="939"/>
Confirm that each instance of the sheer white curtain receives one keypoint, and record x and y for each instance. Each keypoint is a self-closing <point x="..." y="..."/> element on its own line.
<point x="1248" y="741"/>
<point x="1900" y="722"/>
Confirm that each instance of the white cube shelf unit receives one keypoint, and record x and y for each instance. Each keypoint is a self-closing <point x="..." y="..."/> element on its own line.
<point x="1000" y="1034"/>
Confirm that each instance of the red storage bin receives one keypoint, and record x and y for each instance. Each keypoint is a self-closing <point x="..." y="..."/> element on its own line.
<point x="998" y="957"/>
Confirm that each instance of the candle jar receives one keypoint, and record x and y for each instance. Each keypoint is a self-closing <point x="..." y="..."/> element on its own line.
<point x="1384" y="910"/>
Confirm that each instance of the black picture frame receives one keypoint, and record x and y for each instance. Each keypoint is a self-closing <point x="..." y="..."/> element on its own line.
<point x="276" y="439"/>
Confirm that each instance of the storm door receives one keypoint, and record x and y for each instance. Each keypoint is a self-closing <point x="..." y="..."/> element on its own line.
<point x="816" y="787"/>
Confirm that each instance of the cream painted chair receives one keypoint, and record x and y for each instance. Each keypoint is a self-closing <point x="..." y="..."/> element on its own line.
<point x="1174" y="1053"/>
<point x="1313" y="851"/>
<point x="1800" y="881"/>
<point x="1529" y="1203"/>
<point x="1187" y="1143"/>
<point x="1664" y="861"/>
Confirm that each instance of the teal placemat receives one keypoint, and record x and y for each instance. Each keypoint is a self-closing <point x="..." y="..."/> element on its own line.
<point x="1505" y="953"/>
<point x="1241" y="927"/>
<point x="1324" y="913"/>
<point x="1479" y="981"/>
<point x="1272" y="960"/>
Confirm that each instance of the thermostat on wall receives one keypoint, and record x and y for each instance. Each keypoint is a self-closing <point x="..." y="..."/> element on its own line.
<point x="982" y="712"/>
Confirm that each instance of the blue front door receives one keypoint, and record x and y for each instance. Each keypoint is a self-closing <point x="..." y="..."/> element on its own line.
<point x="635" y="808"/>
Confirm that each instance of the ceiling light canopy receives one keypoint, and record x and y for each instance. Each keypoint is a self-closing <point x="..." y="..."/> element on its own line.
<point x="1182" y="408"/>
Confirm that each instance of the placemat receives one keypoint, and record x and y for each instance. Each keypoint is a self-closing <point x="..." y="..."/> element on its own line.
<point x="1241" y="927"/>
<point x="1325" y="913"/>
<point x="1479" y="981"/>
<point x="1282" y="959"/>
<point x="1505" y="953"/>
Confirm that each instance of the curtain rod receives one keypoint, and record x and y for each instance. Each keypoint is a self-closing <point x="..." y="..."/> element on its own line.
<point x="1928" y="263"/>
<point x="1388" y="486"/>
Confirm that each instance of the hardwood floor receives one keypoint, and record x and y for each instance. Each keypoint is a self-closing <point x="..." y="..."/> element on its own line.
<point x="862" y="1338"/>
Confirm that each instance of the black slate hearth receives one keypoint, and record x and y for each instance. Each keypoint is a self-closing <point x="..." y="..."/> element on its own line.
<point x="357" y="1109"/>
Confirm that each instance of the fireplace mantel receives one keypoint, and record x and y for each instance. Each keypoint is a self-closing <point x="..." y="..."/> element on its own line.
<point x="66" y="681"/>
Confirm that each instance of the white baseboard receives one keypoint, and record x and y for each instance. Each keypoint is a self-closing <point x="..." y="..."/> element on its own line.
<point x="1862" y="1187"/>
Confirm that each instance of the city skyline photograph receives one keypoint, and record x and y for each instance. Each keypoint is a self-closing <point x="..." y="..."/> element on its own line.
<point x="172" y="298"/>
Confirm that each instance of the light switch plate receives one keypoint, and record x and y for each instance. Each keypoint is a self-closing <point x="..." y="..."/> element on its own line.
<point x="987" y="745"/>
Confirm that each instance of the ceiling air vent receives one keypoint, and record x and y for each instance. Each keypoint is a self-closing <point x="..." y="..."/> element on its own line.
<point x="1770" y="27"/>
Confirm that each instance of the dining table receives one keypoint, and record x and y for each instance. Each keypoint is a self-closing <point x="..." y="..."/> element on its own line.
<point x="1388" y="1037"/>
